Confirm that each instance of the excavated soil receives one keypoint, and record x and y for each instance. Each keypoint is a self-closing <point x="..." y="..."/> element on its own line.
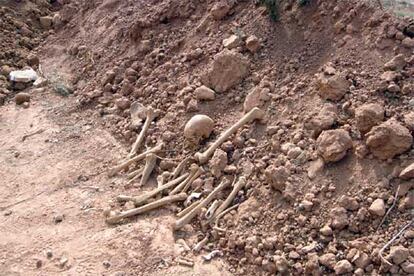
<point x="329" y="174"/>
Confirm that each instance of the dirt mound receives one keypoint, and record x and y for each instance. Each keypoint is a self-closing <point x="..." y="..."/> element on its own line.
<point x="316" y="181"/>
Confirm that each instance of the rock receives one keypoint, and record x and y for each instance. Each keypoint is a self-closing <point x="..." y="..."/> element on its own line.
<point x="126" y="88"/>
<point x="33" y="60"/>
<point x="396" y="63"/>
<point x="227" y="70"/>
<point x="203" y="93"/>
<point x="253" y="44"/>
<point x="389" y="139"/>
<point x="46" y="22"/>
<point x="377" y="207"/>
<point x="328" y="260"/>
<point x="58" y="219"/>
<point x="123" y="103"/>
<point x="408" y="42"/>
<point x="332" y="87"/>
<point x="138" y="112"/>
<point x="253" y="99"/>
<point x="398" y="254"/>
<point x="282" y="264"/>
<point x="21" y="98"/>
<point x="23" y="76"/>
<point x="408" y="267"/>
<point x="333" y="145"/>
<point x="57" y="20"/>
<point x="389" y="76"/>
<point x="277" y="177"/>
<point x="49" y="254"/>
<point x="343" y="267"/>
<point x="218" y="162"/>
<point x="409" y="120"/>
<point x="326" y="231"/>
<point x="361" y="260"/>
<point x="407" y="202"/>
<point x="220" y="10"/>
<point x="232" y="42"/>
<point x="326" y="118"/>
<point x="39" y="263"/>
<point x="348" y="203"/>
<point x="339" y="218"/>
<point x="315" y="168"/>
<point x="408" y="172"/>
<point x="198" y="128"/>
<point x="368" y="116"/>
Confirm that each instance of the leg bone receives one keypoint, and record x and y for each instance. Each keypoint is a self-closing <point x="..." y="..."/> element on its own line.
<point x="141" y="136"/>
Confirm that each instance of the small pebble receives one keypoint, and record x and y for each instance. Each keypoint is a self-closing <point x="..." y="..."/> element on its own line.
<point x="38" y="263"/>
<point x="49" y="254"/>
<point x="58" y="218"/>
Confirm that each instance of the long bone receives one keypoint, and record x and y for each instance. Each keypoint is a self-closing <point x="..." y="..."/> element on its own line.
<point x="254" y="114"/>
<point x="138" y="143"/>
<point x="195" y="172"/>
<point x="145" y="208"/>
<point x="237" y="187"/>
<point x="190" y="215"/>
<point x="139" y="200"/>
<point x="134" y="159"/>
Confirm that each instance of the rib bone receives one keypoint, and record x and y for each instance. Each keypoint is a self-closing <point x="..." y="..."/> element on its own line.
<point x="188" y="217"/>
<point x="254" y="114"/>
<point x="141" y="136"/>
<point x="140" y="210"/>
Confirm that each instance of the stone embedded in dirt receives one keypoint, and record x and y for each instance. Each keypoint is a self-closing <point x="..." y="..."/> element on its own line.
<point x="377" y="207"/>
<point x="326" y="118"/>
<point x="39" y="263"/>
<point x="408" y="172"/>
<point x="203" y="93"/>
<point x="32" y="60"/>
<point x="127" y="88"/>
<point x="138" y="112"/>
<point x="396" y="63"/>
<point x="368" y="116"/>
<point x="407" y="88"/>
<point x="277" y="177"/>
<point x="218" y="162"/>
<point x="343" y="267"/>
<point x="349" y="203"/>
<point x="389" y="139"/>
<point x="123" y="103"/>
<point x="228" y="69"/>
<point x="253" y="44"/>
<point x="328" y="260"/>
<point x="282" y="265"/>
<point x="408" y="267"/>
<point x="198" y="128"/>
<point x="58" y="219"/>
<point x="220" y="10"/>
<point x="333" y="145"/>
<point x="315" y="168"/>
<point x="398" y="254"/>
<point x="407" y="203"/>
<point x="326" y="231"/>
<point x="46" y="22"/>
<point x="389" y="76"/>
<point x="252" y="100"/>
<point x="49" y="254"/>
<point x="362" y="260"/>
<point x="21" y="98"/>
<point x="339" y="218"/>
<point x="231" y="42"/>
<point x="332" y="87"/>
<point x="408" y="42"/>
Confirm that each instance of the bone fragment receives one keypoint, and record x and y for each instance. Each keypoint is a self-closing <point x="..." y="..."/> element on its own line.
<point x="141" y="136"/>
<point x="150" y="161"/>
<point x="200" y="244"/>
<point x="180" y="167"/>
<point x="188" y="209"/>
<point x="210" y="211"/>
<point x="195" y="172"/>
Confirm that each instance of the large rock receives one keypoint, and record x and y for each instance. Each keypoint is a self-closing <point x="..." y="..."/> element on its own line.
<point x="220" y="10"/>
<point x="333" y="144"/>
<point x="227" y="70"/>
<point x="326" y="118"/>
<point x="203" y="93"/>
<point x="277" y="176"/>
<point x="408" y="172"/>
<point x="377" y="207"/>
<point x="396" y="63"/>
<point x="368" y="116"/>
<point x="332" y="87"/>
<point x="389" y="139"/>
